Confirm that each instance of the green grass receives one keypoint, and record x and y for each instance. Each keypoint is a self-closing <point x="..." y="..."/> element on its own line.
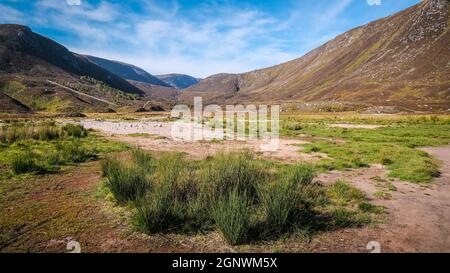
<point x="231" y="214"/>
<point x="279" y="199"/>
<point x="350" y="207"/>
<point x="146" y="135"/>
<point x="382" y="195"/>
<point x="244" y="198"/>
<point x="46" y="147"/>
<point x="24" y="163"/>
<point x="393" y="146"/>
<point x="342" y="193"/>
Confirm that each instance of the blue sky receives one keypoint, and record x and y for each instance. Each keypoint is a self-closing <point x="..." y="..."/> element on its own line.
<point x="199" y="38"/>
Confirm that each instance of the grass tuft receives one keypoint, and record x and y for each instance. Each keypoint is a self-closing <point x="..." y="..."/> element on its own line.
<point x="24" y="163"/>
<point x="232" y="216"/>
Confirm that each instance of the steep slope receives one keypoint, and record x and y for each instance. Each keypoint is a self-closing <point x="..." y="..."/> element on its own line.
<point x="127" y="71"/>
<point x="28" y="61"/>
<point x="20" y="47"/>
<point x="11" y="105"/>
<point x="157" y="91"/>
<point x="179" y="81"/>
<point x="401" y="60"/>
<point x="160" y="96"/>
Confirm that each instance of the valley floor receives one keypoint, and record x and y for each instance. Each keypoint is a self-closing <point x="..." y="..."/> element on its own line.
<point x="43" y="213"/>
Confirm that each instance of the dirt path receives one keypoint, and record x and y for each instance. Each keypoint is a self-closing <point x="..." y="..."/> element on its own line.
<point x="81" y="93"/>
<point x="419" y="215"/>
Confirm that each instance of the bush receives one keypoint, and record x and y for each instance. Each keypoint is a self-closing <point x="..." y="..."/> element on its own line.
<point x="292" y="125"/>
<point x="232" y="216"/>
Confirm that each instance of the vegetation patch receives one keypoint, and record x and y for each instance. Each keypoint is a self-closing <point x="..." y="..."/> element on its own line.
<point x="244" y="198"/>
<point x="394" y="145"/>
<point x="45" y="147"/>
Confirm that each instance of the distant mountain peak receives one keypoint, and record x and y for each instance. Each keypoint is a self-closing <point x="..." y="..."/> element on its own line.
<point x="179" y="81"/>
<point x="401" y="60"/>
<point x="127" y="71"/>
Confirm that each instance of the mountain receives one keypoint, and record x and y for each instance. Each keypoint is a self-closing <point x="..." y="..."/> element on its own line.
<point x="157" y="91"/>
<point x="11" y="105"/>
<point x="127" y="71"/>
<point x="43" y="75"/>
<point x="401" y="60"/>
<point x="179" y="81"/>
<point x="20" y="50"/>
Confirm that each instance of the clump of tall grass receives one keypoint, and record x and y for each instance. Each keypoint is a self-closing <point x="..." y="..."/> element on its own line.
<point x="288" y="196"/>
<point x="227" y="172"/>
<point x="46" y="131"/>
<point x="74" y="152"/>
<point x="127" y="183"/>
<point x="24" y="163"/>
<point x="75" y="130"/>
<point x="232" y="216"/>
<point x="174" y="198"/>
<point x="152" y="211"/>
<point x="232" y="192"/>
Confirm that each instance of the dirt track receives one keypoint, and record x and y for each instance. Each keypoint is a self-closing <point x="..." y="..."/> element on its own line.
<point x="419" y="215"/>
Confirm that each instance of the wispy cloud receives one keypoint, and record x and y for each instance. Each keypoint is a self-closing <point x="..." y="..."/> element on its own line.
<point x="199" y="38"/>
<point x="11" y="15"/>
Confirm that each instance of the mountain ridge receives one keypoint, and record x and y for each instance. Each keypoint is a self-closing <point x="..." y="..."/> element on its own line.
<point x="18" y="41"/>
<point x="378" y="63"/>
<point x="127" y="71"/>
<point x="179" y="81"/>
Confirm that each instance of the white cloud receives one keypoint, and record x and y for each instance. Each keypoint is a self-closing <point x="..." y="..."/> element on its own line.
<point x="212" y="39"/>
<point x="10" y="15"/>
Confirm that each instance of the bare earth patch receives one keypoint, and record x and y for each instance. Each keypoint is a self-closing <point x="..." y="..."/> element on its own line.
<point x="288" y="150"/>
<point x="419" y="215"/>
<point x="356" y="126"/>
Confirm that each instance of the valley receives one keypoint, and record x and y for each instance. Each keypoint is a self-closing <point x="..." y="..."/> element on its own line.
<point x="75" y="203"/>
<point x="91" y="152"/>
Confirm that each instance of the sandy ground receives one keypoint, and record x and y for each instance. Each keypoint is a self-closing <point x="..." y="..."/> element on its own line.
<point x="287" y="151"/>
<point x="419" y="215"/>
<point x="356" y="126"/>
